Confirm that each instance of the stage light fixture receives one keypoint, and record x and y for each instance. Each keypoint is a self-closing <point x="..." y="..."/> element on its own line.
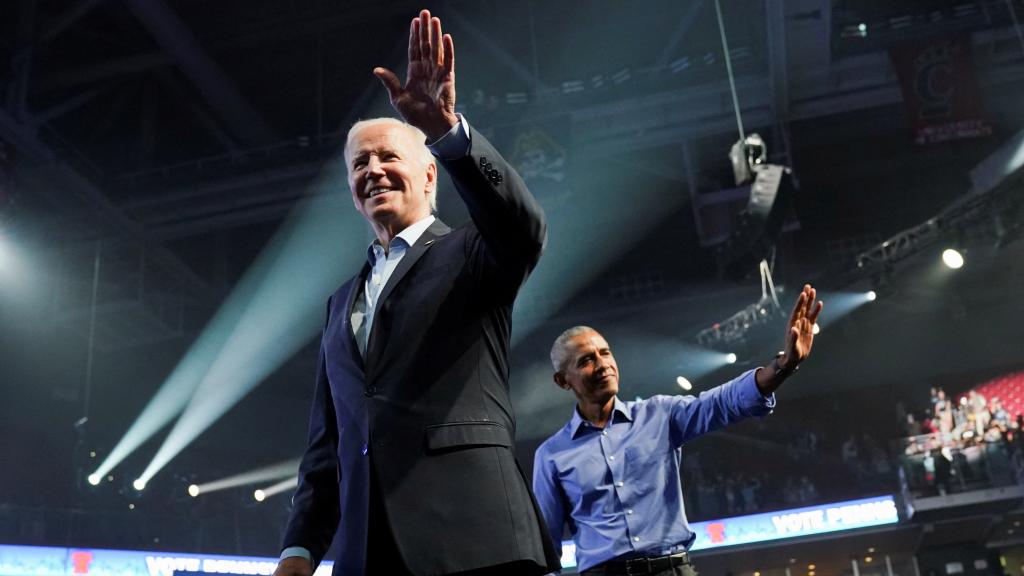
<point x="139" y="484"/>
<point x="193" y="490"/>
<point x="684" y="383"/>
<point x="952" y="258"/>
<point x="871" y="295"/>
<point x="735" y="327"/>
<point x="94" y="479"/>
<point x="282" y="486"/>
<point x="730" y="358"/>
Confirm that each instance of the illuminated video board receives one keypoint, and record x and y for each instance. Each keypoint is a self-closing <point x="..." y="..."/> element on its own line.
<point x="808" y="521"/>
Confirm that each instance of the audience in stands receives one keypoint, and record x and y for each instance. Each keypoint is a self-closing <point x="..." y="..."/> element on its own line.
<point x="846" y="451"/>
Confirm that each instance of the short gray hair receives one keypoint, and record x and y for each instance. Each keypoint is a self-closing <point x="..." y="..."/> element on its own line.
<point x="560" y="349"/>
<point x="424" y="155"/>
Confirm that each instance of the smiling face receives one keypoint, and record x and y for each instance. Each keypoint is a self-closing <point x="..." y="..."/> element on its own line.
<point x="589" y="369"/>
<point x="390" y="176"/>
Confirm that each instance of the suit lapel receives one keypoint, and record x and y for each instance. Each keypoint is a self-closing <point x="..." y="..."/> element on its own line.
<point x="412" y="255"/>
<point x="354" y="290"/>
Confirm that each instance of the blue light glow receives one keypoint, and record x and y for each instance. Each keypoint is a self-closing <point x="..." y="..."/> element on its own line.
<point x="48" y="561"/>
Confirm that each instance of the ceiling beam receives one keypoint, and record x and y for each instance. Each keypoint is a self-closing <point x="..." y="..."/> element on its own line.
<point x="70" y="105"/>
<point x="202" y="114"/>
<point x="75" y="12"/>
<point x="90" y="73"/>
<point x="484" y="40"/>
<point x="171" y="33"/>
<point x="21" y="62"/>
<point x="778" y="78"/>
<point x="352" y="16"/>
<point x="75" y="193"/>
<point x="681" y="30"/>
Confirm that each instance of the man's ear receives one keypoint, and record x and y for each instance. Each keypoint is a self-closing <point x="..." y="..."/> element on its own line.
<point x="559" y="378"/>
<point x="432" y="177"/>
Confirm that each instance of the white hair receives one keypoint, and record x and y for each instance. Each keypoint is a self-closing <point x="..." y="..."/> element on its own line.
<point x="423" y="153"/>
<point x="560" y="349"/>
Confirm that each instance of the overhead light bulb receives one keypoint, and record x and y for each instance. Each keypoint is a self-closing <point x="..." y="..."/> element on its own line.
<point x="952" y="258"/>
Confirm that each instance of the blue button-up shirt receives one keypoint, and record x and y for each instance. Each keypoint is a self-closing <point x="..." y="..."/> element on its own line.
<point x="618" y="487"/>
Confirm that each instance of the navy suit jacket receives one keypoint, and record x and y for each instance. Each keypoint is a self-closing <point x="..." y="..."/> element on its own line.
<point x="430" y="400"/>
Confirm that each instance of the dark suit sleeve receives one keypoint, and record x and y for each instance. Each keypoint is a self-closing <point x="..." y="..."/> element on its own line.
<point x="315" y="507"/>
<point x="510" y="221"/>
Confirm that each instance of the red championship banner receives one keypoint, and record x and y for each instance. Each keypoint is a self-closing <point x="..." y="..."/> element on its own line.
<point x="940" y="89"/>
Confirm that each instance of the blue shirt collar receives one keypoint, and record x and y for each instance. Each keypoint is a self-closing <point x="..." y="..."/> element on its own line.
<point x="618" y="407"/>
<point x="405" y="238"/>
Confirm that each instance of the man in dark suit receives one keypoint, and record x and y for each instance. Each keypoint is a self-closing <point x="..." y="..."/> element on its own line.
<point x="411" y="451"/>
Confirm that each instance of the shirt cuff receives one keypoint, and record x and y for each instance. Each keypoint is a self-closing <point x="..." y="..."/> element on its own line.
<point x="299" y="551"/>
<point x="751" y="397"/>
<point x="454" y="144"/>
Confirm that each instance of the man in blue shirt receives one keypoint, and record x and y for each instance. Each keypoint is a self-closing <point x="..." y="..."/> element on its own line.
<point x="612" y="472"/>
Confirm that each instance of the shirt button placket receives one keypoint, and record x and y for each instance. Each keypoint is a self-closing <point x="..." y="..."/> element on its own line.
<point x="617" y="477"/>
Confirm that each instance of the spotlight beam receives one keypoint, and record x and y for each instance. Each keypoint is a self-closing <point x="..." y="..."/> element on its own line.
<point x="282" y="486"/>
<point x="841" y="304"/>
<point x="267" y="473"/>
<point x="565" y="269"/>
<point x="281" y="302"/>
<point x="173" y="395"/>
<point x="325" y="220"/>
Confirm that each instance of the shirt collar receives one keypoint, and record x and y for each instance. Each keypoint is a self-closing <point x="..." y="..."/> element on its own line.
<point x="408" y="237"/>
<point x="577" y="423"/>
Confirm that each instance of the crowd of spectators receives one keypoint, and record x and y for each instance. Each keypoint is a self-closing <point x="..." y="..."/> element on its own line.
<point x="960" y="444"/>
<point x="972" y="420"/>
<point x="845" y="448"/>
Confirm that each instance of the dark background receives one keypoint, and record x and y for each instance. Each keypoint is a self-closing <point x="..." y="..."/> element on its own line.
<point x="179" y="135"/>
